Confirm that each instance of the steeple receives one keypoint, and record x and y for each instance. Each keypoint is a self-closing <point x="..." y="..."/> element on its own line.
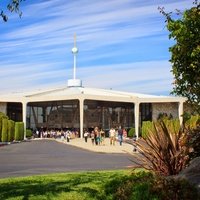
<point x="74" y="82"/>
<point x="75" y="52"/>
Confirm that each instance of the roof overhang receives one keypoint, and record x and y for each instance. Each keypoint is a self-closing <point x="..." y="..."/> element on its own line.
<point x="81" y="93"/>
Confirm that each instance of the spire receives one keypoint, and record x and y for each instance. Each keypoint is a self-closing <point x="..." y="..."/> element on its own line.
<point x="74" y="82"/>
<point x="75" y="52"/>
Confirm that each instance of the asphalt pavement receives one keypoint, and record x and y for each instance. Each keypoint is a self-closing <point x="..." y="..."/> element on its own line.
<point x="49" y="156"/>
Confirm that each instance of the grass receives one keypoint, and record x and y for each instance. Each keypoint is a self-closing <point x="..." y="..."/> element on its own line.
<point x="68" y="186"/>
<point x="98" y="185"/>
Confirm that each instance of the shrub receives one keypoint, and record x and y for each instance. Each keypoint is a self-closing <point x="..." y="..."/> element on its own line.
<point x="192" y="122"/>
<point x="139" y="187"/>
<point x="173" y="125"/>
<point x="194" y="142"/>
<point x="19" y="131"/>
<point x="4" y="133"/>
<point x="11" y="130"/>
<point x="28" y="133"/>
<point x="131" y="132"/>
<point x="0" y="126"/>
<point x="2" y="116"/>
<point x="135" y="187"/>
<point x="164" y="151"/>
<point x="174" y="188"/>
<point x="147" y="128"/>
<point x="163" y="116"/>
<point x="192" y="127"/>
<point x="146" y="185"/>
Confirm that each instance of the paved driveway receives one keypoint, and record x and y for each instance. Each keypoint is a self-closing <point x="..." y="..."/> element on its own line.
<point x="45" y="156"/>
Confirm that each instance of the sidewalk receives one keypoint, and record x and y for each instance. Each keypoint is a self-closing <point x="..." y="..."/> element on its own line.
<point x="107" y="148"/>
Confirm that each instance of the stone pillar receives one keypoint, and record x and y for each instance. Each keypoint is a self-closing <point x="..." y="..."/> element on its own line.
<point x="81" y="107"/>
<point x="137" y="113"/>
<point x="24" y="108"/>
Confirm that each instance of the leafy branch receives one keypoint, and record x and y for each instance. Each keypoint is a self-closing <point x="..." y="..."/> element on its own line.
<point x="13" y="6"/>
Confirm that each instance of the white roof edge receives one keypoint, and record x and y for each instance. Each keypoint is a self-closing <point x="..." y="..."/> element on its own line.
<point x="90" y="92"/>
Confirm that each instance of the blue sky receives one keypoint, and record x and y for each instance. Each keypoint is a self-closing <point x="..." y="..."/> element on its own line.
<point x="123" y="45"/>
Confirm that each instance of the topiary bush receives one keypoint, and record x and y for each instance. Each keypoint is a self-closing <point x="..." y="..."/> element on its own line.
<point x="4" y="133"/>
<point x="131" y="132"/>
<point x="19" y="131"/>
<point x="2" y="116"/>
<point x="11" y="130"/>
<point x="29" y="133"/>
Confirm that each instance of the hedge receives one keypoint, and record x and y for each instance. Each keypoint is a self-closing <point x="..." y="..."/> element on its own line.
<point x="19" y="131"/>
<point x="4" y="132"/>
<point x="2" y="116"/>
<point x="11" y="130"/>
<point x="28" y="133"/>
<point x="131" y="132"/>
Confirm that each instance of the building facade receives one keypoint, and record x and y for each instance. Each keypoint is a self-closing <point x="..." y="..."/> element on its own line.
<point x="76" y="107"/>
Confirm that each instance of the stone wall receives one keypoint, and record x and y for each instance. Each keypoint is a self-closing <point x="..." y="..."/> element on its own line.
<point x="3" y="107"/>
<point x="168" y="108"/>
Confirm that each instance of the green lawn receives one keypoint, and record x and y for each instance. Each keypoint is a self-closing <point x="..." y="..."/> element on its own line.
<point x="105" y="185"/>
<point x="75" y="186"/>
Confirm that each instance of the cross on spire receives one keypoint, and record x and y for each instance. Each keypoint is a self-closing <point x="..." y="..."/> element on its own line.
<point x="74" y="82"/>
<point x="74" y="39"/>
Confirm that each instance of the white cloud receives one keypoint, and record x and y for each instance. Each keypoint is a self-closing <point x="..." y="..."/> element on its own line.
<point x="35" y="51"/>
<point x="144" y="77"/>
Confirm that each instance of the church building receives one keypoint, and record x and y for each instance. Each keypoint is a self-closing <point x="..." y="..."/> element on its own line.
<point x="78" y="107"/>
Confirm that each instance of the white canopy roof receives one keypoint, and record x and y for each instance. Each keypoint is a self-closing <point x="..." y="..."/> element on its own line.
<point x="67" y="93"/>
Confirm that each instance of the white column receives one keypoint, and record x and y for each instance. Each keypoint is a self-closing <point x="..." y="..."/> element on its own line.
<point x="137" y="113"/>
<point x="24" y="104"/>
<point x="3" y="107"/>
<point x="180" y="112"/>
<point x="81" y="107"/>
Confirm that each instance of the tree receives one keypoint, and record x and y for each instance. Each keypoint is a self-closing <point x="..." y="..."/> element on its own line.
<point x="13" y="6"/>
<point x="184" y="29"/>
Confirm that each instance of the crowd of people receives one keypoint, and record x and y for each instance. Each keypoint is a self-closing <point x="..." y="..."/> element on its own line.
<point x="57" y="133"/>
<point x="97" y="135"/>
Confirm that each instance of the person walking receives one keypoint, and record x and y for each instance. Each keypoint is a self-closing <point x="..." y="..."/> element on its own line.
<point x="86" y="135"/>
<point x="102" y="137"/>
<point x="92" y="137"/>
<point x="112" y="135"/>
<point x="120" y="135"/>
<point x="97" y="135"/>
<point x="68" y="136"/>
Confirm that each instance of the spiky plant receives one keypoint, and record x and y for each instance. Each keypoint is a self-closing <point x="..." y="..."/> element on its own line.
<point x="192" y="122"/>
<point x="147" y="126"/>
<point x="163" y="149"/>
